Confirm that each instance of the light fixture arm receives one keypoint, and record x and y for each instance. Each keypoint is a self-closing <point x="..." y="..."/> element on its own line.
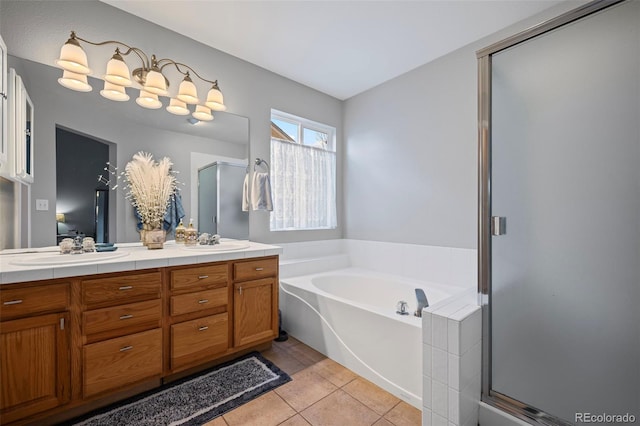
<point x="146" y="63"/>
<point x="167" y="62"/>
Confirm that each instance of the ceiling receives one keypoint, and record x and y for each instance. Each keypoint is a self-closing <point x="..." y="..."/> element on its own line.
<point x="341" y="48"/>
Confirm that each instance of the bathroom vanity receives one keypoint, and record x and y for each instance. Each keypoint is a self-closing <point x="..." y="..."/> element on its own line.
<point x="81" y="335"/>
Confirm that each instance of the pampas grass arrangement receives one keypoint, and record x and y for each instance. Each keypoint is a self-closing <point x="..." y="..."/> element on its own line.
<point x="149" y="186"/>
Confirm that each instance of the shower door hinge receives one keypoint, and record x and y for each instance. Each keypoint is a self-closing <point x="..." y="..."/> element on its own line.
<point x="498" y="225"/>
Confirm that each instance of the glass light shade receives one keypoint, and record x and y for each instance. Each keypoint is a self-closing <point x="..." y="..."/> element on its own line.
<point x="215" y="100"/>
<point x="202" y="113"/>
<point x="75" y="81"/>
<point x="148" y="100"/>
<point x="187" y="92"/>
<point x="118" y="72"/>
<point x="73" y="58"/>
<point x="114" y="92"/>
<point x="155" y="83"/>
<point x="177" y="107"/>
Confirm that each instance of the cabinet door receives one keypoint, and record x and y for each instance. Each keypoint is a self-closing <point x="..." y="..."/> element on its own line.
<point x="24" y="133"/>
<point x="20" y="128"/>
<point x="34" y="365"/>
<point x="255" y="314"/>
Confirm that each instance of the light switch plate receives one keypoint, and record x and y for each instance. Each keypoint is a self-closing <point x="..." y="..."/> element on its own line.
<point x="42" y="204"/>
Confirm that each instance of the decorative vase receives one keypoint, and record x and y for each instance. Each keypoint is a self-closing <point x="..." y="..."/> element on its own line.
<point x="153" y="238"/>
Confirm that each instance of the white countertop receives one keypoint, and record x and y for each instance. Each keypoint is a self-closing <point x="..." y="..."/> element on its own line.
<point x="131" y="256"/>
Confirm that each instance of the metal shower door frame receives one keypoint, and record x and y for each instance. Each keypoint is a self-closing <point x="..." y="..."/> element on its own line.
<point x="516" y="408"/>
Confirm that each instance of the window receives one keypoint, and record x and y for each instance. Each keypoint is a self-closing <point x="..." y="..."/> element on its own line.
<point x="303" y="174"/>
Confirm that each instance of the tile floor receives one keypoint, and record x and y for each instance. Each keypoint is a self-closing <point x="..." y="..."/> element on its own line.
<point x="322" y="393"/>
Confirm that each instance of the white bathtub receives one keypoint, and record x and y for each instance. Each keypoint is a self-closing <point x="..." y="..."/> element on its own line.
<point x="350" y="316"/>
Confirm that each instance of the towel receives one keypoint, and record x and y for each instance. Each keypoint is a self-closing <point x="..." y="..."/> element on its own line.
<point x="261" y="192"/>
<point x="172" y="216"/>
<point x="245" y="193"/>
<point x="174" y="213"/>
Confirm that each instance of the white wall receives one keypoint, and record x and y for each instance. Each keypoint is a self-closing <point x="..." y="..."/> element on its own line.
<point x="410" y="170"/>
<point x="36" y="30"/>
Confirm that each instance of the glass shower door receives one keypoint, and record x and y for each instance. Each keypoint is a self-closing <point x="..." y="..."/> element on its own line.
<point x="565" y="173"/>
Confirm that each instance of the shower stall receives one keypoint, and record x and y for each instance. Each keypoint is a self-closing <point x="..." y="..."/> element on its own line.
<point x="559" y="218"/>
<point x="220" y="200"/>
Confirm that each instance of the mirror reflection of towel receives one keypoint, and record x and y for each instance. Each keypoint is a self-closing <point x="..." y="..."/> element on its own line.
<point x="245" y="193"/>
<point x="261" y="192"/>
<point x="172" y="216"/>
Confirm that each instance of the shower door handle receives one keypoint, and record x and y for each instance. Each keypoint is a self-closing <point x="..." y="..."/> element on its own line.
<point x="498" y="225"/>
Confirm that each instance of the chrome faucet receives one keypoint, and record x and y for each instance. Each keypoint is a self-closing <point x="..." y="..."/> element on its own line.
<point x="422" y="301"/>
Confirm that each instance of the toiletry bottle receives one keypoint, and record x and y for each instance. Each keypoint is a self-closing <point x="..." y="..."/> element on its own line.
<point x="180" y="233"/>
<point x="191" y="234"/>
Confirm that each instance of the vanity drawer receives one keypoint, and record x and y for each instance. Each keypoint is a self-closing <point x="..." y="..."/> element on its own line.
<point x="19" y="302"/>
<point x="199" y="339"/>
<point x="102" y="292"/>
<point x="203" y="276"/>
<point x="254" y="269"/>
<point x="122" y="361"/>
<point x="123" y="319"/>
<point x="199" y="301"/>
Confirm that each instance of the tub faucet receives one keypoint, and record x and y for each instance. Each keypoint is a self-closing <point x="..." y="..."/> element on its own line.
<point x="422" y="301"/>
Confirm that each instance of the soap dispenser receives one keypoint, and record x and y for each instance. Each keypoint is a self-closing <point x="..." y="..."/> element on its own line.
<point x="191" y="234"/>
<point x="180" y="233"/>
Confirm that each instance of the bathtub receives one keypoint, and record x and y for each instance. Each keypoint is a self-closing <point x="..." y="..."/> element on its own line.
<point x="350" y="316"/>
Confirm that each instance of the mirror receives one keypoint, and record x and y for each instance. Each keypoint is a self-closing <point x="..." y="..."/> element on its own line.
<point x="126" y="128"/>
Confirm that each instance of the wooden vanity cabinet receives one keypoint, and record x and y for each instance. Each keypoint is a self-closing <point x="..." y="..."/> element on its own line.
<point x="121" y="331"/>
<point x="71" y="345"/>
<point x="34" y="349"/>
<point x="255" y="301"/>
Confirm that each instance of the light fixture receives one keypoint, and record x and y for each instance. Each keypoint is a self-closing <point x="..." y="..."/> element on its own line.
<point x="187" y="92"/>
<point x="148" y="100"/>
<point x="214" y="98"/>
<point x="150" y="76"/>
<point x="75" y="81"/>
<point x="202" y="113"/>
<point x="114" y="92"/>
<point x="60" y="217"/>
<point x="177" y="107"/>
<point x="117" y="71"/>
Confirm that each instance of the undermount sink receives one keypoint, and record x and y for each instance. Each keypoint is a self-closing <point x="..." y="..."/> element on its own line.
<point x="223" y="246"/>
<point x="68" y="259"/>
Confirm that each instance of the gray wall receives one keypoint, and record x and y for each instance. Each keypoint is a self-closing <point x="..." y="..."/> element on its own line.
<point x="410" y="171"/>
<point x="36" y="30"/>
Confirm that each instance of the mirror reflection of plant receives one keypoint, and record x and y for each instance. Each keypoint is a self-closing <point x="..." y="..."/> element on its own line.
<point x="149" y="186"/>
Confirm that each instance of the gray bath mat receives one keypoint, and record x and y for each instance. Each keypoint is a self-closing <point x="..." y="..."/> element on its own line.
<point x="196" y="399"/>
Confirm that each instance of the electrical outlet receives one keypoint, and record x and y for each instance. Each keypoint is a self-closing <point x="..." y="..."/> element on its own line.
<point x="42" y="204"/>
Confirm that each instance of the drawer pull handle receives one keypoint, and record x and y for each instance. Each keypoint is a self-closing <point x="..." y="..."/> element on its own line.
<point x="259" y="269"/>
<point x="126" y="348"/>
<point x="203" y="328"/>
<point x="202" y="277"/>
<point x="240" y="290"/>
<point x="13" y="302"/>
<point x="124" y="317"/>
<point x="203" y="301"/>
<point x="126" y="287"/>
